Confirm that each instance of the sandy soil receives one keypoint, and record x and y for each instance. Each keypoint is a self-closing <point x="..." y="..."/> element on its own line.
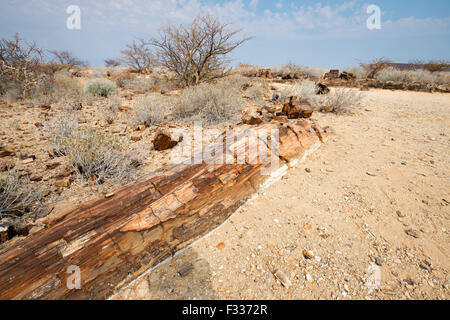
<point x="372" y="201"/>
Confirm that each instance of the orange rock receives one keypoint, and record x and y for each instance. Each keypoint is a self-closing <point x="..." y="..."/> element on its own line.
<point x="220" y="246"/>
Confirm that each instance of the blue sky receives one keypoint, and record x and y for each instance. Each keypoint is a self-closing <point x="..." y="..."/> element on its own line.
<point x="307" y="32"/>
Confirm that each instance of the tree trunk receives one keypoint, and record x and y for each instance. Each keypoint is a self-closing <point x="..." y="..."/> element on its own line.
<point x="115" y="238"/>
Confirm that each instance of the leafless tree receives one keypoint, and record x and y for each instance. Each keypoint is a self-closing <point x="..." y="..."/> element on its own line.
<point x="138" y="57"/>
<point x="68" y="59"/>
<point x="20" y="64"/>
<point x="112" y="62"/>
<point x="198" y="51"/>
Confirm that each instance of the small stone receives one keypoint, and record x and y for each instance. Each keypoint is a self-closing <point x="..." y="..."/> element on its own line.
<point x="412" y="233"/>
<point x="307" y="254"/>
<point x="184" y="269"/>
<point x="309" y="278"/>
<point x="27" y="161"/>
<point x="308" y="170"/>
<point x="221" y="246"/>
<point x="372" y="174"/>
<point x="377" y="261"/>
<point x="136" y="138"/>
<point x="400" y="214"/>
<point x="283" y="279"/>
<point x="109" y="195"/>
<point x="63" y="183"/>
<point x="404" y="163"/>
<point x="36" y="178"/>
<point x="141" y="127"/>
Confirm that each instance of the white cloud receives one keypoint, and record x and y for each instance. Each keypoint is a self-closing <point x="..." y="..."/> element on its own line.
<point x="253" y="4"/>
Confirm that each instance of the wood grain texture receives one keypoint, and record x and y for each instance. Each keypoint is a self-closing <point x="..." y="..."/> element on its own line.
<point x="115" y="239"/>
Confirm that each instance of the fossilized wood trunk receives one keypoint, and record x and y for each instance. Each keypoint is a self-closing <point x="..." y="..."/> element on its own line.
<point x="114" y="239"/>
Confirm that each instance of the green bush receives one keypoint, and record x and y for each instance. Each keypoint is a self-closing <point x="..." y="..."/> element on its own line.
<point x="99" y="87"/>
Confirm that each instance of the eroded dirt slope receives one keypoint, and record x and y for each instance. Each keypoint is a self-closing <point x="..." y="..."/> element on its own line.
<point x="375" y="197"/>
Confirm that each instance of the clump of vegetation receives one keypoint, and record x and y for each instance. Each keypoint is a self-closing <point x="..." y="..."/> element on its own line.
<point x="99" y="87"/>
<point x="313" y="72"/>
<point x="97" y="156"/>
<point x="359" y="72"/>
<point x="304" y="90"/>
<point x="18" y="197"/>
<point x="373" y="68"/>
<point x="149" y="110"/>
<point x="211" y="103"/>
<point x="59" y="128"/>
<point x="111" y="111"/>
<point x="255" y="92"/>
<point x="418" y="75"/>
<point x="342" y="100"/>
<point x="141" y="85"/>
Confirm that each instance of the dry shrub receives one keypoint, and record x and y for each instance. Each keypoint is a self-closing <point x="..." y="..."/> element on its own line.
<point x="141" y="85"/>
<point x="375" y="67"/>
<point x="342" y="100"/>
<point x="304" y="90"/>
<point x="18" y="197"/>
<point x="111" y="111"/>
<point x="211" y="103"/>
<point x="59" y="128"/>
<point x="418" y="75"/>
<point x="360" y="73"/>
<point x="436" y="66"/>
<point x="97" y="156"/>
<point x="256" y="93"/>
<point x="99" y="87"/>
<point x="313" y="72"/>
<point x="149" y="110"/>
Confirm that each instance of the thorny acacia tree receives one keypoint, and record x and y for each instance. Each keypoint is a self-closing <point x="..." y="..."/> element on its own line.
<point x="138" y="57"/>
<point x="68" y="59"/>
<point x="198" y="51"/>
<point x="20" y="64"/>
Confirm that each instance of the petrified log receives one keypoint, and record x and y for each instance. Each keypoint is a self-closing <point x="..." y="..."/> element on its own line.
<point x="164" y="140"/>
<point x="295" y="109"/>
<point x="115" y="238"/>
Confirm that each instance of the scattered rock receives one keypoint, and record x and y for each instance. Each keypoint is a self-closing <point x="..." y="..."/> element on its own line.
<point x="372" y="174"/>
<point x="400" y="214"/>
<point x="51" y="166"/>
<point x="308" y="170"/>
<point x="251" y="120"/>
<point x="283" y="279"/>
<point x="184" y="269"/>
<point x="322" y="89"/>
<point x="220" y="246"/>
<point x="6" y="151"/>
<point x="307" y="254"/>
<point x="136" y="138"/>
<point x="163" y="140"/>
<point x="295" y="109"/>
<point x="27" y="161"/>
<point x="412" y="233"/>
<point x="63" y="183"/>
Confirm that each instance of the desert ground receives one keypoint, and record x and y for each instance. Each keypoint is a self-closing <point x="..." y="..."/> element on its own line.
<point x="374" y="199"/>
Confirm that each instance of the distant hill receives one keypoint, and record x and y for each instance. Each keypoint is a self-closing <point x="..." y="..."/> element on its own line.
<point x="408" y="66"/>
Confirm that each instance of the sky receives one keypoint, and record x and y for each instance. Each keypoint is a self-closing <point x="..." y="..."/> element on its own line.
<point x="329" y="34"/>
